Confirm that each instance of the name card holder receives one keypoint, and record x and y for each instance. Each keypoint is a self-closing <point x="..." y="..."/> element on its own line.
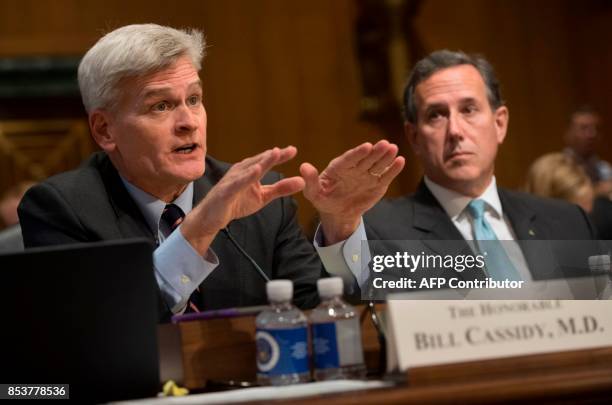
<point x="569" y="358"/>
<point x="427" y="333"/>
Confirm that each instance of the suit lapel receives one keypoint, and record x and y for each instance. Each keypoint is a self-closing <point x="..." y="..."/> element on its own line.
<point x="439" y="232"/>
<point x="538" y="255"/>
<point x="431" y="219"/>
<point x="521" y="216"/>
<point x="201" y="187"/>
<point x="221" y="245"/>
<point x="130" y="221"/>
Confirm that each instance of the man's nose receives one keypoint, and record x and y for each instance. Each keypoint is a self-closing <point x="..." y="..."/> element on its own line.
<point x="454" y="125"/>
<point x="590" y="132"/>
<point x="186" y="119"/>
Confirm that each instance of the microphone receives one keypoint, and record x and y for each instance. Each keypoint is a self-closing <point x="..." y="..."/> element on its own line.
<point x="376" y="321"/>
<point x="382" y="337"/>
<point x="261" y="273"/>
<point x="599" y="265"/>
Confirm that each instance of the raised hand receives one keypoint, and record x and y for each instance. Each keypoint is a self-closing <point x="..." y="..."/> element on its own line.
<point x="350" y="185"/>
<point x="238" y="194"/>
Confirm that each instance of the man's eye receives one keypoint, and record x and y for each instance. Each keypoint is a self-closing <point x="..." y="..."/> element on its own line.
<point x="194" y="100"/>
<point x="161" y="107"/>
<point x="433" y="115"/>
<point x="470" y="109"/>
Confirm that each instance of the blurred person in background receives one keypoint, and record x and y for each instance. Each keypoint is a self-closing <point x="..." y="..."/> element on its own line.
<point x="556" y="175"/>
<point x="582" y="139"/>
<point x="10" y="231"/>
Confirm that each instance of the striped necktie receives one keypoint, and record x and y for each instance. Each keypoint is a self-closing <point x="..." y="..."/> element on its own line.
<point x="171" y="218"/>
<point x="497" y="261"/>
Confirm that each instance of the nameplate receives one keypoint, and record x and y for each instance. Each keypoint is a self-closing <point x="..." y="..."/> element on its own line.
<point x="425" y="333"/>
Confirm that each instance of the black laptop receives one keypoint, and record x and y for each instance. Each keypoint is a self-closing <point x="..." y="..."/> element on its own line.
<point x="84" y="315"/>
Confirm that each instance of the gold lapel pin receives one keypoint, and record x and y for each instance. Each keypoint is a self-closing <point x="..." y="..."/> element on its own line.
<point x="531" y="232"/>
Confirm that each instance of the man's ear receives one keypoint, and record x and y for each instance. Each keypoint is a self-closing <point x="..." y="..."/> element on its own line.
<point x="502" y="115"/>
<point x="410" y="131"/>
<point x="99" y="125"/>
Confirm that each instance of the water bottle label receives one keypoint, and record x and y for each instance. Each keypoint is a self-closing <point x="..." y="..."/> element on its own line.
<point x="337" y="344"/>
<point x="282" y="351"/>
<point x="325" y="345"/>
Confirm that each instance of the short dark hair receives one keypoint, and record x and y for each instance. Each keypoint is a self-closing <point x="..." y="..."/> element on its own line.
<point x="584" y="109"/>
<point x="443" y="59"/>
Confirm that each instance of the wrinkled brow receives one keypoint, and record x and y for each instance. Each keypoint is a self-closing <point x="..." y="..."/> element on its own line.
<point x="163" y="90"/>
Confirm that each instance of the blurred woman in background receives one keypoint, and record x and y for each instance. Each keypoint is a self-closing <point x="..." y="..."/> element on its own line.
<point x="556" y="175"/>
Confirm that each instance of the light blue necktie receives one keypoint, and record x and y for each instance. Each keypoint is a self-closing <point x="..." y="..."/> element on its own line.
<point x="497" y="261"/>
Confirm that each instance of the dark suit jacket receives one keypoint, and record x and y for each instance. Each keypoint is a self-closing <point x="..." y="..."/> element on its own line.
<point x="91" y="204"/>
<point x="602" y="217"/>
<point x="421" y="217"/>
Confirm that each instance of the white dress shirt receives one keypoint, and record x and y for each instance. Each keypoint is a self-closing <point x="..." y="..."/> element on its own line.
<point x="455" y="205"/>
<point x="344" y="259"/>
<point x="179" y="269"/>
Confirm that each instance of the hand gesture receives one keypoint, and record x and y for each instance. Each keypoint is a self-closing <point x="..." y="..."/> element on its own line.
<point x="238" y="194"/>
<point x="350" y="185"/>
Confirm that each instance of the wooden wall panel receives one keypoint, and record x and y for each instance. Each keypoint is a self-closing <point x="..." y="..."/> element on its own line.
<point x="35" y="150"/>
<point x="283" y="72"/>
<point x="280" y="73"/>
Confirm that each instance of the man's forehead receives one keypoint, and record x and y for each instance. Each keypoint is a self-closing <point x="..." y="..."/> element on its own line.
<point x="151" y="90"/>
<point x="451" y="84"/>
<point x="181" y="73"/>
<point x="585" y="118"/>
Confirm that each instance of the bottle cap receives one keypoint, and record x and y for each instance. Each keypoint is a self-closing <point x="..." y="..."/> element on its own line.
<point x="330" y="287"/>
<point x="279" y="290"/>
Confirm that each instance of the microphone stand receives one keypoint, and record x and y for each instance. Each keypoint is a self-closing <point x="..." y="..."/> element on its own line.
<point x="261" y="273"/>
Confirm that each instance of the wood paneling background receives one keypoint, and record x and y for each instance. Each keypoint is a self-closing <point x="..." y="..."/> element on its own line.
<point x="286" y="72"/>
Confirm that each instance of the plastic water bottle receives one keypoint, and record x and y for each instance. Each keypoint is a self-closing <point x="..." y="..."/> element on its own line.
<point x="336" y="335"/>
<point x="282" y="339"/>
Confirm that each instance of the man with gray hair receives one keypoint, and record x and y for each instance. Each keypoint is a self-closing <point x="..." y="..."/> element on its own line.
<point x="455" y="120"/>
<point x="153" y="179"/>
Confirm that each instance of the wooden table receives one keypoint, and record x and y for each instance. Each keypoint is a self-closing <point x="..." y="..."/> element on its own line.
<point x="224" y="349"/>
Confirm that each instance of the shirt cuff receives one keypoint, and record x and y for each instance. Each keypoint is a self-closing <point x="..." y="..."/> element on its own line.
<point x="179" y="269"/>
<point x="345" y="259"/>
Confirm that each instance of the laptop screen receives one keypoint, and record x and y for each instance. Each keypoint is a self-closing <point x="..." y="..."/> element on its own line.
<point x="84" y="315"/>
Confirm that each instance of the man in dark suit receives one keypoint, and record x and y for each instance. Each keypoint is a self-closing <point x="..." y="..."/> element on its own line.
<point x="455" y="121"/>
<point x="602" y="217"/>
<point x="141" y="89"/>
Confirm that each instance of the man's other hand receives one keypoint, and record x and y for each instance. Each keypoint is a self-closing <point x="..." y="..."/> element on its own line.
<point x="350" y="185"/>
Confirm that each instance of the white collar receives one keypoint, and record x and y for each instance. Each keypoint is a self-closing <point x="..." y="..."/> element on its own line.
<point x="152" y="208"/>
<point x="454" y="203"/>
